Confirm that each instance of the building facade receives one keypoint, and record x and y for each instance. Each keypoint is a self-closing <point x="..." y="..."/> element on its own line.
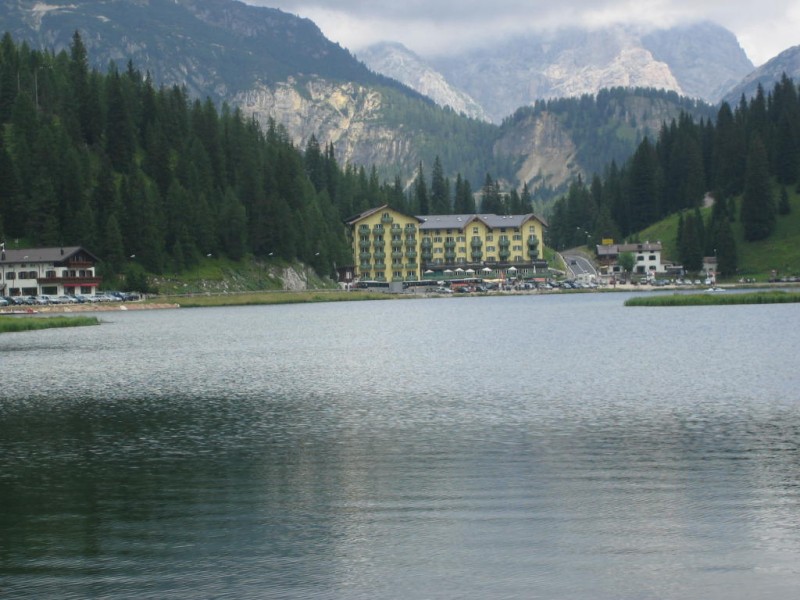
<point x="647" y="257"/>
<point x="51" y="271"/>
<point x="391" y="246"/>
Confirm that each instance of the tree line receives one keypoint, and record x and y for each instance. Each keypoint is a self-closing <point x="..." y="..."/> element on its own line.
<point x="738" y="155"/>
<point x="149" y="179"/>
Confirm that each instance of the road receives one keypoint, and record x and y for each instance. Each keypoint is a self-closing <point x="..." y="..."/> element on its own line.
<point x="578" y="266"/>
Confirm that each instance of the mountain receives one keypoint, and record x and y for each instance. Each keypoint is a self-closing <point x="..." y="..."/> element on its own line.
<point x="701" y="60"/>
<point x="279" y="68"/>
<point x="398" y="62"/>
<point x="787" y="62"/>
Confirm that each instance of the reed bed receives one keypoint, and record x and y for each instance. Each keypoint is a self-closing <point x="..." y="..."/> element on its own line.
<point x="716" y="299"/>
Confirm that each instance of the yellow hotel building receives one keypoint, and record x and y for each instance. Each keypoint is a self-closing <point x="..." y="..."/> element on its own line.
<point x="391" y="246"/>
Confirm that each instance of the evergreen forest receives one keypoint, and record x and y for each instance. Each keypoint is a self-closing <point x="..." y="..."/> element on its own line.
<point x="741" y="163"/>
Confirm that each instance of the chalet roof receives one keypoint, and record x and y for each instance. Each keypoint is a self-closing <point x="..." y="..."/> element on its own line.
<point x="460" y="221"/>
<point x="42" y="255"/>
<point x="616" y="249"/>
<point x="455" y="221"/>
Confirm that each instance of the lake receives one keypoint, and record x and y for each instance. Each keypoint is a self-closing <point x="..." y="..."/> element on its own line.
<point x="538" y="446"/>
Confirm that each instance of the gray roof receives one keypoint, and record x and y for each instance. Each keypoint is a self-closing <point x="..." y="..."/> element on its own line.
<point x="41" y="255"/>
<point x="461" y="221"/>
<point x="615" y="249"/>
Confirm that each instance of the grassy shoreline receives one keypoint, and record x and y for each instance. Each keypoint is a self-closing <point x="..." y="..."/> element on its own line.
<point x="11" y="324"/>
<point x="259" y="298"/>
<point x="716" y="299"/>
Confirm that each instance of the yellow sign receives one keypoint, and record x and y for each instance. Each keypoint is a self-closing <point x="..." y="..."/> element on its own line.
<point x="607" y="241"/>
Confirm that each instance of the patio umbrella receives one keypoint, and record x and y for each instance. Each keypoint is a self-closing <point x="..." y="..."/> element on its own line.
<point x="470" y="271"/>
<point x="486" y="270"/>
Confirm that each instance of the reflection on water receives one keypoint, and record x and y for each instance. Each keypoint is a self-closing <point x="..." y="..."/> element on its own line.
<point x="456" y="448"/>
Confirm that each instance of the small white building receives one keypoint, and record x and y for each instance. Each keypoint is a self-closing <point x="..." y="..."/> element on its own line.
<point x="52" y="271"/>
<point x="647" y="257"/>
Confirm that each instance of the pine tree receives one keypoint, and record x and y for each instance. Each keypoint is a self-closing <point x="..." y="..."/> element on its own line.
<point x="440" y="200"/>
<point x="784" y="208"/>
<point x="758" y="212"/>
<point x="421" y="199"/>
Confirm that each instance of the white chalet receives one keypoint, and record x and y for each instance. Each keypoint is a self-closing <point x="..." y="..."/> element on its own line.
<point x="52" y="271"/>
<point x="647" y="257"/>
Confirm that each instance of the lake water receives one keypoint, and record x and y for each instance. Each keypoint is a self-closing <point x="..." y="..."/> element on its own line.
<point x="508" y="447"/>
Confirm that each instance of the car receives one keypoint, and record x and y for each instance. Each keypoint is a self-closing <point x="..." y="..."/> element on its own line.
<point x="442" y="290"/>
<point x="3" y="301"/>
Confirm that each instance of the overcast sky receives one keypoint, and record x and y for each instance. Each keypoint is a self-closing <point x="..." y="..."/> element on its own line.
<point x="764" y="27"/>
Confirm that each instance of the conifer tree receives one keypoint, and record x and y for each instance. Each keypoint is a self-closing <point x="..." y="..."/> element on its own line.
<point x="758" y="205"/>
<point x="440" y="200"/>
<point x="421" y="199"/>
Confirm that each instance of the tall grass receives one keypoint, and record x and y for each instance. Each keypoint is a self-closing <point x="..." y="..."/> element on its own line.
<point x="9" y="324"/>
<point x="715" y="299"/>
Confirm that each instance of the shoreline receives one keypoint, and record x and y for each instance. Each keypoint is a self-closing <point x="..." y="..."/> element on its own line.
<point x="323" y="295"/>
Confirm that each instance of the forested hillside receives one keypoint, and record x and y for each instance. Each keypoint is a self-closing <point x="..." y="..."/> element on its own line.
<point x="145" y="177"/>
<point x="749" y="153"/>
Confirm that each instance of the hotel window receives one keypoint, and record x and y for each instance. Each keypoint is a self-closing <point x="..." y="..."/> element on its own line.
<point x="437" y="240"/>
<point x="490" y="238"/>
<point x="517" y="248"/>
<point x="462" y="250"/>
<point x="652" y="257"/>
<point x="474" y="230"/>
<point x="11" y="275"/>
<point x="461" y="238"/>
<point x="490" y="248"/>
<point x="517" y="236"/>
<point x="49" y="273"/>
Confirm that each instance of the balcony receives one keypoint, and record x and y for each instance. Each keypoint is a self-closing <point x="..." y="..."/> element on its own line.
<point x="365" y="256"/>
<point x="476" y="255"/>
<point x="450" y="256"/>
<point x="398" y="243"/>
<point x="476" y="243"/>
<point x="411" y="253"/>
<point x="364" y="244"/>
<point x="504" y="242"/>
<point x="380" y="255"/>
<point x="504" y="254"/>
<point x="411" y="242"/>
<point x="449" y="245"/>
<point x="378" y="244"/>
<point x="427" y="243"/>
<point x="387" y="218"/>
<point x="397" y="254"/>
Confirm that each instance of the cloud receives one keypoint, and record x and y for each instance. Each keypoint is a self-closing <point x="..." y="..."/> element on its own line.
<point x="763" y="28"/>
